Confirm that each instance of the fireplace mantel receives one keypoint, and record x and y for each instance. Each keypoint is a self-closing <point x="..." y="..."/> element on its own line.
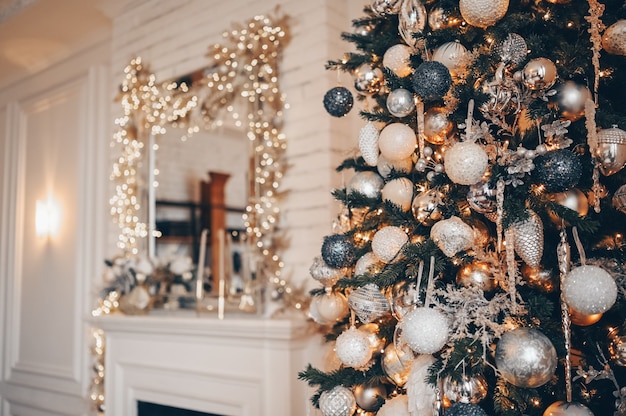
<point x="238" y="366"/>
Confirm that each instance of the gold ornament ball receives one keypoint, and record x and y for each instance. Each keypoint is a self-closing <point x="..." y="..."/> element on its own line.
<point x="538" y="277"/>
<point x="581" y="319"/>
<point x="476" y="274"/>
<point x="483" y="13"/>
<point x="619" y="199"/>
<point x="399" y="192"/>
<point x="571" y="98"/>
<point x="398" y="59"/>
<point x="482" y="235"/>
<point x="396" y="363"/>
<point x="539" y="74"/>
<point x="370" y="398"/>
<point x="451" y="54"/>
<point x="437" y="126"/>
<point x="425" y="207"/>
<point x="614" y="38"/>
<point x="372" y="330"/>
<point x="368" y="79"/>
<point x="574" y="199"/>
<point x="617" y="346"/>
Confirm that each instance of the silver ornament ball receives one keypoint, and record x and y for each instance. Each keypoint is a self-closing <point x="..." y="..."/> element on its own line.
<point x="473" y="388"/>
<point x="425" y="207"/>
<point x="437" y="125"/>
<point x="383" y="7"/>
<point x="571" y="99"/>
<point x="367" y="183"/>
<point x="512" y="50"/>
<point x="368" y="79"/>
<point x="400" y="102"/>
<point x="370" y="397"/>
<point x="368" y="303"/>
<point x="339" y="401"/>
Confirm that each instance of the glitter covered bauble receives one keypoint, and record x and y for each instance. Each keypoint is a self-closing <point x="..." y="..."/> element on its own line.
<point x="353" y="348"/>
<point x="339" y="401"/>
<point x="425" y="207"/>
<point x="398" y="406"/>
<point x="476" y="274"/>
<point x="368" y="303"/>
<point x="437" y="125"/>
<point x="512" y="50"/>
<point x="619" y="199"/>
<point x="558" y="170"/>
<point x="328" y="308"/>
<point x="411" y="19"/>
<point x="465" y="409"/>
<point x="370" y="397"/>
<point x="482" y="196"/>
<point x="383" y="7"/>
<point x="571" y="99"/>
<point x="483" y="13"/>
<point x="611" y="151"/>
<point x="399" y="192"/>
<point x="397" y="141"/>
<point x="338" y="101"/>
<point x="431" y="80"/>
<point x="452" y="235"/>
<point x="388" y="241"/>
<point x="614" y="38"/>
<point x="338" y="251"/>
<point x="366" y="183"/>
<point x="525" y="358"/>
<point x="528" y="239"/>
<point x="567" y="409"/>
<point x="368" y="143"/>
<point x="452" y="55"/>
<point x="539" y="74"/>
<point x="396" y="363"/>
<point x="398" y="59"/>
<point x="425" y="330"/>
<point x="385" y="166"/>
<point x="368" y="263"/>
<point x="465" y="163"/>
<point x="368" y="79"/>
<point x="581" y="319"/>
<point x="617" y="346"/>
<point x="589" y="289"/>
<point x="472" y="388"/>
<point x="400" y="102"/>
<point x="323" y="273"/>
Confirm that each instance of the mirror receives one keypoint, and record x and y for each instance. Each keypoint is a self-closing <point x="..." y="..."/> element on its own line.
<point x="203" y="152"/>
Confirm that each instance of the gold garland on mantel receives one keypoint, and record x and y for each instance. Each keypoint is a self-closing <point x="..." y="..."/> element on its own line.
<point x="242" y="83"/>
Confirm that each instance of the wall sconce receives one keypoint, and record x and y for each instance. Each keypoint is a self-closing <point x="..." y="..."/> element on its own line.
<point x="47" y="218"/>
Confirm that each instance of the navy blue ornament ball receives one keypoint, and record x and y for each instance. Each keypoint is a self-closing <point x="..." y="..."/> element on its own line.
<point x="431" y="80"/>
<point x="558" y="171"/>
<point x="465" y="409"/>
<point x="338" y="251"/>
<point x="338" y="101"/>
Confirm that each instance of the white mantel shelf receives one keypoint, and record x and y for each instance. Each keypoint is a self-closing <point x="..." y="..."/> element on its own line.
<point x="239" y="366"/>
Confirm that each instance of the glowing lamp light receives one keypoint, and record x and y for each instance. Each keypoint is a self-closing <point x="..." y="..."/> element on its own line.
<point x="47" y="218"/>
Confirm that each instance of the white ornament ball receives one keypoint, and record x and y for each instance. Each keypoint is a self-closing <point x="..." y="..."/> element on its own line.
<point x="325" y="274"/>
<point x="339" y="401"/>
<point x="398" y="59"/>
<point x="353" y="348"/>
<point x="367" y="183"/>
<point x="425" y="330"/>
<point x="452" y="55"/>
<point x="567" y="409"/>
<point x="452" y="235"/>
<point x="614" y="38"/>
<point x="399" y="192"/>
<point x="385" y="165"/>
<point x="483" y="13"/>
<point x="368" y="263"/>
<point x="397" y="141"/>
<point x="589" y="290"/>
<point x="388" y="241"/>
<point x="398" y="406"/>
<point x="329" y="308"/>
<point x="465" y="163"/>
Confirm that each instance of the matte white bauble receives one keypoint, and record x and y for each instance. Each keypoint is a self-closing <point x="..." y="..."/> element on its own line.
<point x="589" y="290"/>
<point x="368" y="263"/>
<point x="397" y="141"/>
<point x="398" y="59"/>
<point x="452" y="55"/>
<point x="329" y="308"/>
<point x="385" y="165"/>
<point x="465" y="163"/>
<point x="399" y="192"/>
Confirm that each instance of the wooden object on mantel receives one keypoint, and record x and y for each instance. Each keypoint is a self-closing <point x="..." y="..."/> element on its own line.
<point x="213" y="196"/>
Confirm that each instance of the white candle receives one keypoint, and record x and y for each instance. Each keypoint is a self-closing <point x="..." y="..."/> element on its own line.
<point x="201" y="261"/>
<point x="222" y="283"/>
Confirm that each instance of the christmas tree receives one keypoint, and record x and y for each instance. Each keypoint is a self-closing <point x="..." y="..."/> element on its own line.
<point x="477" y="266"/>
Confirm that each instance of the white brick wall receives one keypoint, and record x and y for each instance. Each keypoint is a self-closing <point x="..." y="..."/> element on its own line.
<point x="173" y="37"/>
